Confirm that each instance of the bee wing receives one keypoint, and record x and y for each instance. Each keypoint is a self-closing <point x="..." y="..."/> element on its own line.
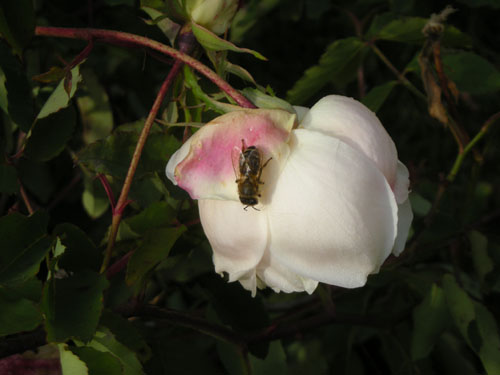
<point x="235" y="160"/>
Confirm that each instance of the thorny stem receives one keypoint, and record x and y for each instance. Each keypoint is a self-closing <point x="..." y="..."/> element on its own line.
<point x="400" y="76"/>
<point x="123" y="199"/>
<point x="122" y="38"/>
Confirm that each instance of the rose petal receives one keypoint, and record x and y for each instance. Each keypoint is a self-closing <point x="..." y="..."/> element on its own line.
<point x="333" y="216"/>
<point x="356" y="125"/>
<point x="238" y="237"/>
<point x="207" y="172"/>
<point x="402" y="184"/>
<point x="301" y="112"/>
<point x="405" y="217"/>
<point x="176" y="158"/>
<point x="280" y="278"/>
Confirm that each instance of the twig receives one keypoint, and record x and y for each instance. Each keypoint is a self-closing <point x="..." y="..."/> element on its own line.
<point x="127" y="39"/>
<point x="26" y="200"/>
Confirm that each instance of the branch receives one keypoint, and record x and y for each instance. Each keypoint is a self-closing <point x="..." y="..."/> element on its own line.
<point x="127" y="39"/>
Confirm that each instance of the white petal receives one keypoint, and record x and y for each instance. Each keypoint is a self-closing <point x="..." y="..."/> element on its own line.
<point x="238" y="237"/>
<point x="402" y="184"/>
<point x="333" y="216"/>
<point x="280" y="278"/>
<point x="405" y="217"/>
<point x="356" y="125"/>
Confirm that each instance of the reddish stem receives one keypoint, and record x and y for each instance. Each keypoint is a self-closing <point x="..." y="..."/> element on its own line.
<point x="127" y="39"/>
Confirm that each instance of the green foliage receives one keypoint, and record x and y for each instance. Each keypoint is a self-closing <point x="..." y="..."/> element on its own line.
<point x="72" y="113"/>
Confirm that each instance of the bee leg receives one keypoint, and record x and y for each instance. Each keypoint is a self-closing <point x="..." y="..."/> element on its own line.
<point x="245" y="208"/>
<point x="260" y="170"/>
<point x="256" y="209"/>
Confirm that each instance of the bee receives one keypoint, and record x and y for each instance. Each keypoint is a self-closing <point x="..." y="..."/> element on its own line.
<point x="250" y="168"/>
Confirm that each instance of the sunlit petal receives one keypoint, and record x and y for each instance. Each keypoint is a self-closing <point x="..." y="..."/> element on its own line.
<point x="238" y="237"/>
<point x="333" y="217"/>
<point x="355" y="124"/>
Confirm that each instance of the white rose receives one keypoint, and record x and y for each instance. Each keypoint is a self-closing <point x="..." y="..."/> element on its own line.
<point x="333" y="204"/>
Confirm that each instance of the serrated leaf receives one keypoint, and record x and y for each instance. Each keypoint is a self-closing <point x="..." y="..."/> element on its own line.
<point x="156" y="215"/>
<point x="105" y="341"/>
<point x="17" y="23"/>
<point x="49" y="135"/>
<point x="81" y="253"/>
<point x="155" y="247"/>
<point x="378" y="95"/>
<point x="8" y="179"/>
<point x="62" y="94"/>
<point x="17" y="314"/>
<point x="72" y="306"/>
<point x="430" y="319"/>
<point x="70" y="363"/>
<point x="98" y="362"/>
<point x="472" y="73"/>
<point x="23" y="245"/>
<point x="338" y="64"/>
<point x="18" y="99"/>
<point x="212" y="42"/>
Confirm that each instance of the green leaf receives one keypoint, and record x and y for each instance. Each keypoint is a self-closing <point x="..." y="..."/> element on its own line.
<point x="191" y="82"/>
<point x="60" y="97"/>
<point x="72" y="306"/>
<point x="274" y="363"/>
<point x="154" y="248"/>
<point x="490" y="348"/>
<point x="483" y="264"/>
<point x="17" y="23"/>
<point x="247" y="16"/>
<point x="94" y="198"/>
<point x="212" y="42"/>
<point x="112" y="155"/>
<point x="156" y="215"/>
<point x="430" y="319"/>
<point x="472" y="73"/>
<point x="98" y="362"/>
<point x="18" y="99"/>
<point x="337" y="65"/>
<point x="81" y="253"/>
<point x="460" y="306"/>
<point x="23" y="245"/>
<point x="17" y="314"/>
<point x="263" y="100"/>
<point x="391" y="27"/>
<point x="70" y="363"/>
<point x="105" y="341"/>
<point x="49" y="135"/>
<point x="166" y="25"/>
<point x="94" y="108"/>
<point x="378" y="95"/>
<point x="8" y="179"/>
<point x="126" y="333"/>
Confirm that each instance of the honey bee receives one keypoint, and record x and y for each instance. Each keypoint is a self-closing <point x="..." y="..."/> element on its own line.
<point x="249" y="173"/>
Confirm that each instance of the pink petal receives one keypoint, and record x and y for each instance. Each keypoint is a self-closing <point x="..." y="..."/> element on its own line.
<point x="206" y="171"/>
